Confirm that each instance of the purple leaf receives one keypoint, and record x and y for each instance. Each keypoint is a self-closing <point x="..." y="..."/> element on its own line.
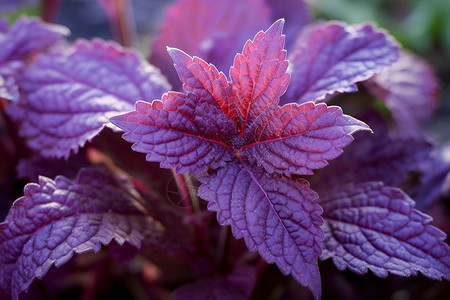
<point x="376" y="157"/>
<point x="57" y="218"/>
<point x="205" y="81"/>
<point x="331" y="57"/>
<point x="183" y="132"/>
<point x="237" y="285"/>
<point x="434" y="181"/>
<point x="409" y="90"/>
<point x="69" y="96"/>
<point x="259" y="75"/>
<point x="214" y="31"/>
<point x="278" y="217"/>
<point x="218" y="120"/>
<point x="295" y="139"/>
<point x="25" y="37"/>
<point x="372" y="226"/>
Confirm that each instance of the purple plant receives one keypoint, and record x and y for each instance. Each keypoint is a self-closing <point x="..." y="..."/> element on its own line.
<point x="260" y="149"/>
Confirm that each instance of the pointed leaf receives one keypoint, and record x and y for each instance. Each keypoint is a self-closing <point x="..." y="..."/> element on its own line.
<point x="278" y="217"/>
<point x="180" y="131"/>
<point x="259" y="75"/>
<point x="57" y="218"/>
<point x="237" y="285"/>
<point x="69" y="96"/>
<point x="295" y="139"/>
<point x="331" y="57"/>
<point x="205" y="81"/>
<point x="409" y="90"/>
<point x="372" y="226"/>
<point x="212" y="30"/>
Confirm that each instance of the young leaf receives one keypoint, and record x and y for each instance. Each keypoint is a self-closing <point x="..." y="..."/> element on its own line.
<point x="278" y="217"/>
<point x="212" y="30"/>
<point x="218" y="120"/>
<point x="295" y="139"/>
<point x="69" y="96"/>
<point x="409" y="90"/>
<point x="372" y="226"/>
<point x="56" y="218"/>
<point x="331" y="57"/>
<point x="237" y="285"/>
<point x="259" y="75"/>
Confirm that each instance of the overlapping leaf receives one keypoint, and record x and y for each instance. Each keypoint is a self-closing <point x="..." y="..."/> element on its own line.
<point x="234" y="127"/>
<point x="295" y="139"/>
<point x="69" y="96"/>
<point x="25" y="37"/>
<point x="57" y="218"/>
<point x="409" y="90"/>
<point x="217" y="119"/>
<point x="278" y="217"/>
<point x="331" y="57"/>
<point x="372" y="226"/>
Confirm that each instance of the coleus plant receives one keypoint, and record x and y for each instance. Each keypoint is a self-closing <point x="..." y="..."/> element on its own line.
<point x="249" y="153"/>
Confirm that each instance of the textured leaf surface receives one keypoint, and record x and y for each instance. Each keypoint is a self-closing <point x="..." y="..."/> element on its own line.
<point x="68" y="97"/>
<point x="182" y="132"/>
<point x="409" y="90"/>
<point x="24" y="37"/>
<point x="205" y="81"/>
<point x="56" y="218"/>
<point x="331" y="57"/>
<point x="258" y="74"/>
<point x="295" y="139"/>
<point x="372" y="226"/>
<point x="235" y="286"/>
<point x="278" y="217"/>
<point x="212" y="30"/>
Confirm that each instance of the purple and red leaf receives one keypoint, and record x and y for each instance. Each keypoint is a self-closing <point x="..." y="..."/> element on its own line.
<point x="331" y="57"/>
<point x="259" y="75"/>
<point x="295" y="139"/>
<point x="277" y="217"/>
<point x="180" y="131"/>
<point x="57" y="218"/>
<point x="69" y="96"/>
<point x="372" y="226"/>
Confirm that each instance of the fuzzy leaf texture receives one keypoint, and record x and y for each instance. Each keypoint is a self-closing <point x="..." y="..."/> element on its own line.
<point x="278" y="217"/>
<point x="331" y="57"/>
<point x="372" y="226"/>
<point x="69" y="96"/>
<point x="409" y="90"/>
<point x="218" y="120"/>
<point x="23" y="38"/>
<point x="57" y="218"/>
